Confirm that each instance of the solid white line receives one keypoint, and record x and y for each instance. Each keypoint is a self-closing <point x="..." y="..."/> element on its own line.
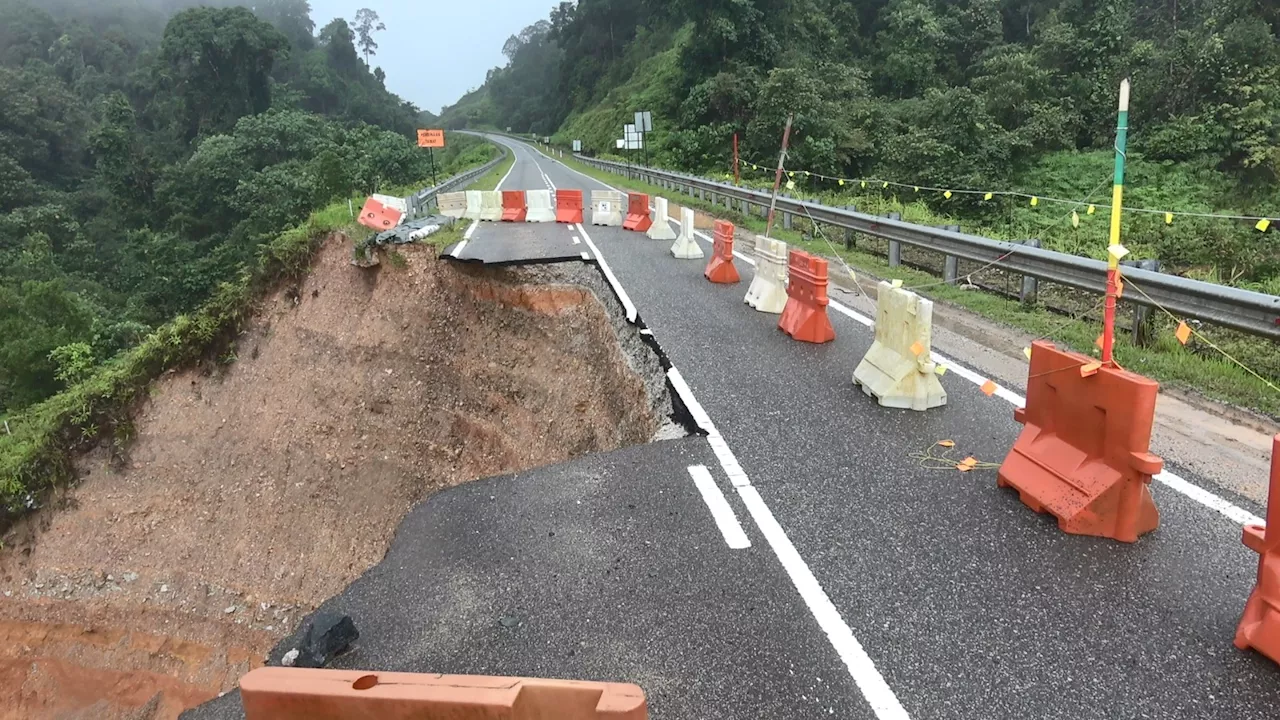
<point x="514" y="161"/>
<point x="628" y="306"/>
<point x="734" y="537"/>
<point x="471" y="230"/>
<point x="861" y="668"/>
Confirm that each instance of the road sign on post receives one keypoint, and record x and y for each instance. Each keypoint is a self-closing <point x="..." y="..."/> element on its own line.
<point x="431" y="138"/>
<point x="577" y="146"/>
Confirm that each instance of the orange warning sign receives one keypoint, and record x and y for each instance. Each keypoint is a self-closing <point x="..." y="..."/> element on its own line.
<point x="431" y="138"/>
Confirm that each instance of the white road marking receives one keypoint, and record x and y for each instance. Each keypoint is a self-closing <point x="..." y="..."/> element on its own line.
<point x="576" y="241"/>
<point x="627" y="306"/>
<point x="734" y="537"/>
<point x="514" y="161"/>
<point x="1169" y="479"/>
<point x="585" y="256"/>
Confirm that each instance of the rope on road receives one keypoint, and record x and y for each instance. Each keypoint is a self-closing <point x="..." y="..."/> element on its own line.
<point x="938" y="457"/>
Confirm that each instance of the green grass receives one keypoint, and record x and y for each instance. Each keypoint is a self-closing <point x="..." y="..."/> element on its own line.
<point x="37" y="455"/>
<point x="1195" y="368"/>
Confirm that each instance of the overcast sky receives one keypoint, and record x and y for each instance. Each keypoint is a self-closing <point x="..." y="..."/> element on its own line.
<point x="433" y="51"/>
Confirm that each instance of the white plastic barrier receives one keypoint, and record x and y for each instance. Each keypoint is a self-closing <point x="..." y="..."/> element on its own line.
<point x="398" y="203"/>
<point x="899" y="368"/>
<point x="474" y="203"/>
<point x="686" y="246"/>
<point x="768" y="291"/>
<point x="606" y="208"/>
<point x="490" y="205"/>
<point x="452" y="204"/>
<point x="661" y="229"/>
<point x="541" y="209"/>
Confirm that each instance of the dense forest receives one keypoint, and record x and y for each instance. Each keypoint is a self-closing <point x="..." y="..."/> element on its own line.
<point x="148" y="149"/>
<point x="977" y="94"/>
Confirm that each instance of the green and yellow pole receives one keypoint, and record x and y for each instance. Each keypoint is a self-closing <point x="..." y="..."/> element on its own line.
<point x="1117" y="199"/>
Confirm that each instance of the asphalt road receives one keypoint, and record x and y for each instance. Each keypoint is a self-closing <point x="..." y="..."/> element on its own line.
<point x="872" y="587"/>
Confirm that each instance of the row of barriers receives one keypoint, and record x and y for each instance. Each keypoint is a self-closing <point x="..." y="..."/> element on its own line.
<point x="1084" y="451"/>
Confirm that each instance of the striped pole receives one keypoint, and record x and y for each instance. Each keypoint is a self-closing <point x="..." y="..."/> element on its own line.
<point x="1117" y="197"/>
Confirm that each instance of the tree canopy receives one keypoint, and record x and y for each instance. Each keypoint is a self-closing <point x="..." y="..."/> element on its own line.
<point x="147" y="151"/>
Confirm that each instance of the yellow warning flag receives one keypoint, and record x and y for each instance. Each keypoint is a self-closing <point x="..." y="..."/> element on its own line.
<point x="1117" y="251"/>
<point x="916" y="348"/>
<point x="964" y="468"/>
<point x="1090" y="369"/>
<point x="1091" y="210"/>
<point x="864" y="183"/>
<point x="1168" y="218"/>
<point x="886" y="184"/>
<point x="1075" y="219"/>
<point x="896" y="283"/>
<point x="917" y="188"/>
<point x="1263" y="224"/>
<point x="1183" y="333"/>
<point x="791" y="173"/>
<point x="842" y="181"/>
<point x="1027" y="351"/>
<point x="989" y="388"/>
<point x="988" y="196"/>
<point x="947" y="443"/>
<point x="947" y="194"/>
<point x="1098" y="342"/>
<point x="940" y="370"/>
<point x="1119" y="286"/>
<point x="967" y="464"/>
<point x="1035" y="201"/>
<point x="791" y="184"/>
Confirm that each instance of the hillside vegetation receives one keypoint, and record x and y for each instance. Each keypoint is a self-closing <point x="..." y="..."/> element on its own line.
<point x="987" y="95"/>
<point x="149" y="149"/>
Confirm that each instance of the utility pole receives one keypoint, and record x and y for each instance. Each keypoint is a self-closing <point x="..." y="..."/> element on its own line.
<point x="777" y="180"/>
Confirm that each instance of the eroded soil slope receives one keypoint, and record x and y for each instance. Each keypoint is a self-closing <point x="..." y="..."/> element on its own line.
<point x="257" y="488"/>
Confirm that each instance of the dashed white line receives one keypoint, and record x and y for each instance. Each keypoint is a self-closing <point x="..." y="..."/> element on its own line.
<point x="734" y="537"/>
<point x="576" y="241"/>
<point x="1169" y="479"/>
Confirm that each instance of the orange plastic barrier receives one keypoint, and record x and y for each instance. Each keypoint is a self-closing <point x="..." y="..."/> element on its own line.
<point x="378" y="216"/>
<point x="280" y="693"/>
<point x="721" y="269"/>
<point x="805" y="315"/>
<point x="637" y="213"/>
<point x="1259" y="627"/>
<point x="514" y="206"/>
<point x="569" y="206"/>
<point x="1083" y="454"/>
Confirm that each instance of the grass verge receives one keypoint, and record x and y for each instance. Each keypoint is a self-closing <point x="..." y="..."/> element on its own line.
<point x="1196" y="367"/>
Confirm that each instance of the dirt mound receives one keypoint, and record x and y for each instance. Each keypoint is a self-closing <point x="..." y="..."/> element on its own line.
<point x="255" y="489"/>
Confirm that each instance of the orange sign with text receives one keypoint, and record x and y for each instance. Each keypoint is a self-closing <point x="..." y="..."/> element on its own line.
<point x="431" y="138"/>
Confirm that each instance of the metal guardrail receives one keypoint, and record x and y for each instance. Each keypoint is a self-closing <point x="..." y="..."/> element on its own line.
<point x="1251" y="312"/>
<point x="421" y="200"/>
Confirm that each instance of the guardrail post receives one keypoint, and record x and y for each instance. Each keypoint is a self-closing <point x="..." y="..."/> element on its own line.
<point x="1030" y="284"/>
<point x="713" y="198"/>
<point x="895" y="247"/>
<point x="951" y="263"/>
<point x="746" y="208"/>
<point x="702" y="194"/>
<point x="849" y="236"/>
<point x="1142" y="335"/>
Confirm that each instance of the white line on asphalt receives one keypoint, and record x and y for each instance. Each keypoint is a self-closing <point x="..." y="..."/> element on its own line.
<point x="585" y="256"/>
<point x="861" y="668"/>
<point x="576" y="241"/>
<point x="514" y="161"/>
<point x="734" y="537"/>
<point x="628" y="306"/>
<point x="1171" y="480"/>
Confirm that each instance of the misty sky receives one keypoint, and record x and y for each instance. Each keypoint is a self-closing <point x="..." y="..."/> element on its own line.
<point x="433" y="51"/>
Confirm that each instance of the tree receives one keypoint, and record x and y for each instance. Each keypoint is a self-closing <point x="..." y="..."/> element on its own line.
<point x="367" y="23"/>
<point x="290" y="17"/>
<point x="217" y="64"/>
